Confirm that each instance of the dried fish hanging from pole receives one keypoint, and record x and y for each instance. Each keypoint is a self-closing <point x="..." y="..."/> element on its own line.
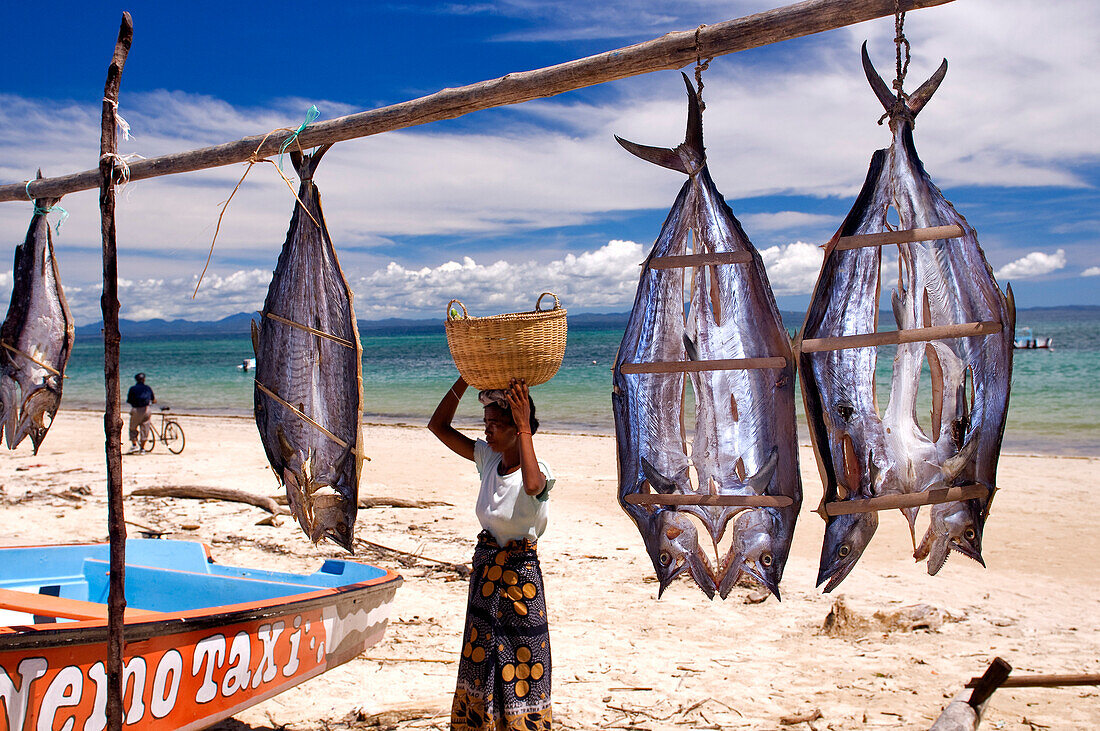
<point x="950" y="313"/>
<point x="37" y="336"/>
<point x="730" y="339"/>
<point x="309" y="380"/>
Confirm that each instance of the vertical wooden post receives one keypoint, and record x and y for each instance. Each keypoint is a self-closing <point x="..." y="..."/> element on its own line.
<point x="112" y="419"/>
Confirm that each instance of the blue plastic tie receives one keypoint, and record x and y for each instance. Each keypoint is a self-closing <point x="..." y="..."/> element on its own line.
<point x="311" y="116"/>
<point x="39" y="211"/>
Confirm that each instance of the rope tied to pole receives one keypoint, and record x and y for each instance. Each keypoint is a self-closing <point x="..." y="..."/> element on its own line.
<point x="40" y="211"/>
<point x="123" y="125"/>
<point x="253" y="159"/>
<point x="311" y="116"/>
<point x="900" y="110"/>
<point x="700" y="67"/>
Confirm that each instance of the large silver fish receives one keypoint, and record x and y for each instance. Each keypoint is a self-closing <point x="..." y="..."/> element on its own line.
<point x="36" y="337"/>
<point x="944" y="282"/>
<point x="744" y="440"/>
<point x="309" y="380"/>
<point x="940" y="282"/>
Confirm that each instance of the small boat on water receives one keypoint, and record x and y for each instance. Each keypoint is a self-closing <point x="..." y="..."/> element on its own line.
<point x="1025" y="340"/>
<point x="246" y="365"/>
<point x="203" y="641"/>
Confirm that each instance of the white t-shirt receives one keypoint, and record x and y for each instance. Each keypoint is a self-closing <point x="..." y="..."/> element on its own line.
<point x="503" y="507"/>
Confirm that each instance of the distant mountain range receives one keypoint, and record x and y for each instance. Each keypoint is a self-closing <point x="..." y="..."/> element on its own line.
<point x="239" y="324"/>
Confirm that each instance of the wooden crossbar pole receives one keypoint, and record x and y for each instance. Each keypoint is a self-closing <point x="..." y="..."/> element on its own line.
<point x="910" y="500"/>
<point x="671" y="51"/>
<point x="1044" y="681"/>
<point x="905" y="236"/>
<point x="697" y="366"/>
<point x="896" y="337"/>
<point x="696" y="260"/>
<point x="749" y="501"/>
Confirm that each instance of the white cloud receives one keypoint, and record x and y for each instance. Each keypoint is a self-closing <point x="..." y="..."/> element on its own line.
<point x="793" y="269"/>
<point x="604" y="278"/>
<point x="785" y="221"/>
<point x="1091" y="272"/>
<point x="1035" y="264"/>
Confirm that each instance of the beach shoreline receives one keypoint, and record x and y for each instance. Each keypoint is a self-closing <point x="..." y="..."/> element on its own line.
<point x="623" y="658"/>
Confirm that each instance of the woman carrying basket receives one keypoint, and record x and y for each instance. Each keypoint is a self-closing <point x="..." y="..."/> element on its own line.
<point x="504" y="671"/>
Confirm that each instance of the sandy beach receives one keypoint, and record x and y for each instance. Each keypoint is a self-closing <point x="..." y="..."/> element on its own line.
<point x="623" y="659"/>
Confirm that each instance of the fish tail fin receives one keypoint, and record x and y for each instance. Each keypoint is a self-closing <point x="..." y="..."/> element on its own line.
<point x="674" y="158"/>
<point x="1010" y="307"/>
<point x="915" y="101"/>
<point x="306" y="165"/>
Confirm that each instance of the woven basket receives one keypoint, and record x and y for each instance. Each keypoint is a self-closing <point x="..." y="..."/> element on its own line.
<point x="490" y="351"/>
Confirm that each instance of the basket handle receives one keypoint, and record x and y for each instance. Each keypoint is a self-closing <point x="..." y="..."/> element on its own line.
<point x="557" y="302"/>
<point x="447" y="312"/>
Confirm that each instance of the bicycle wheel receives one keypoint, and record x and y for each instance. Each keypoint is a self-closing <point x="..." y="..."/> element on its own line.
<point x="173" y="437"/>
<point x="148" y="440"/>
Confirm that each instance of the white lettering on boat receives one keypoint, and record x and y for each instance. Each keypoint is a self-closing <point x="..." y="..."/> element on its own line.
<point x="291" y="666"/>
<point x="64" y="690"/>
<point x="163" y="699"/>
<point x="210" y="651"/>
<point x="240" y="654"/>
<point x="134" y="668"/>
<point x="30" y="669"/>
<point x="269" y="635"/>
<point x="98" y="720"/>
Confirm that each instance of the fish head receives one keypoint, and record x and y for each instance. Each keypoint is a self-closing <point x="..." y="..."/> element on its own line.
<point x="37" y="415"/>
<point x="331" y="518"/>
<point x="846" y="537"/>
<point x="953" y="526"/>
<point x="673" y="546"/>
<point x="754" y="550"/>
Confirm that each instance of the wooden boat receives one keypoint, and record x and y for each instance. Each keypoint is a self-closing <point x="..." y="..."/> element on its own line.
<point x="203" y="641"/>
<point x="1025" y="340"/>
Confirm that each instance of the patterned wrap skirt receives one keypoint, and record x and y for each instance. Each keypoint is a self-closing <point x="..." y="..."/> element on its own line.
<point x="504" y="671"/>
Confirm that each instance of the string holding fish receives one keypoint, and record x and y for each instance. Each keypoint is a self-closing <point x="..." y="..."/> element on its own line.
<point x="901" y="103"/>
<point x="700" y="67"/>
<point x="39" y="210"/>
<point x="311" y="116"/>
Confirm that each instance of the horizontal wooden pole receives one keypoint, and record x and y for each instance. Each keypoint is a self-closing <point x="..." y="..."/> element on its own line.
<point x="748" y="501"/>
<point x="896" y="337"/>
<point x="860" y="241"/>
<point x="1045" y="681"/>
<point x="697" y="366"/>
<point x="909" y="500"/>
<point x="696" y="260"/>
<point x="671" y="51"/>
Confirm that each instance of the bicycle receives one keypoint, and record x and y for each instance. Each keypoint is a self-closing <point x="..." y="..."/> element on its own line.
<point x="170" y="434"/>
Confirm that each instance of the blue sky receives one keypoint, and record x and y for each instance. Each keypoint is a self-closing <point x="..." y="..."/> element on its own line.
<point x="499" y="205"/>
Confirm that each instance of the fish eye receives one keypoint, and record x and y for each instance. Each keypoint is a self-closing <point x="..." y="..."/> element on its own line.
<point x="844" y="550"/>
<point x="766" y="560"/>
<point x="665" y="559"/>
<point x="969" y="534"/>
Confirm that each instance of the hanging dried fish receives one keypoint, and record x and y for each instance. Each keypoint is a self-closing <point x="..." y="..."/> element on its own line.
<point x="309" y="373"/>
<point x="940" y="282"/>
<point x="36" y="337"/>
<point x="744" y="441"/>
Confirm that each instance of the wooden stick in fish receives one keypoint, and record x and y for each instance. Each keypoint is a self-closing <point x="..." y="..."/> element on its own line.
<point x="670" y="51"/>
<point x="908" y="500"/>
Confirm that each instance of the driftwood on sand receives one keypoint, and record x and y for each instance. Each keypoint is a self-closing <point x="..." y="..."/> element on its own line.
<point x="202" y="492"/>
<point x="386" y="502"/>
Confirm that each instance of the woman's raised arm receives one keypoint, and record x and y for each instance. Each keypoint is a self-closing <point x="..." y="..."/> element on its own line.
<point x="440" y="423"/>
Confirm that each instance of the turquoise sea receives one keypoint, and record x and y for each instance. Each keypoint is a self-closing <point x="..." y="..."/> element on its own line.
<point x="1054" y="407"/>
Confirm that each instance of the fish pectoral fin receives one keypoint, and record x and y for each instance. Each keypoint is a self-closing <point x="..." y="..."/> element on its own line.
<point x="758" y="482"/>
<point x="659" y="482"/>
<point x="954" y="465"/>
<point x="690" y="348"/>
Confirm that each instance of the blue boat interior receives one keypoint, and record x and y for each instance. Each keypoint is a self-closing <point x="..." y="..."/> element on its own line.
<point x="163" y="575"/>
